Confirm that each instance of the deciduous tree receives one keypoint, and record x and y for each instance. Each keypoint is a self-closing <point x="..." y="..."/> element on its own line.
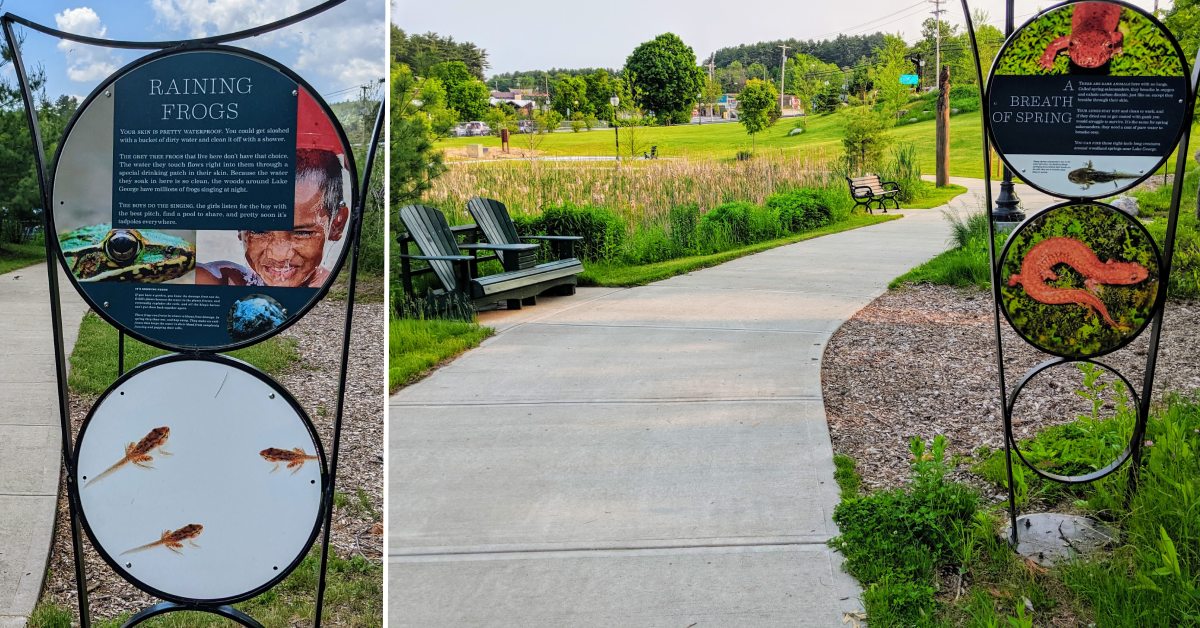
<point x="667" y="77"/>
<point x="758" y="107"/>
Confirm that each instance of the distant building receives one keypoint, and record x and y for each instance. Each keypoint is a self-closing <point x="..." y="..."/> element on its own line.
<point x="523" y="100"/>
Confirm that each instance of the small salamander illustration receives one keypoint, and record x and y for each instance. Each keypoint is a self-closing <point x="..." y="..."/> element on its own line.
<point x="295" y="458"/>
<point x="1038" y="268"/>
<point x="1094" y="36"/>
<point x="1089" y="176"/>
<point x="139" y="453"/>
<point x="172" y="540"/>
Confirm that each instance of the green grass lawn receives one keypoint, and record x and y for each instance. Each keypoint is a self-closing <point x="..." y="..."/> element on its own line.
<point x="933" y="196"/>
<point x="724" y="140"/>
<point x="94" y="359"/>
<point x="14" y="256"/>
<point x="417" y="346"/>
<point x="615" y="274"/>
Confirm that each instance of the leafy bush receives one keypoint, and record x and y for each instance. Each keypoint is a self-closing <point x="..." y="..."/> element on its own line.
<point x="894" y="540"/>
<point x="601" y="229"/>
<point x="683" y="220"/>
<point x="647" y="245"/>
<point x="764" y="224"/>
<point x="801" y="210"/>
<point x="730" y="218"/>
<point x="904" y="168"/>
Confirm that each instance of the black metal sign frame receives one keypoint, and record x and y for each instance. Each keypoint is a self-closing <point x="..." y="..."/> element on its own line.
<point x="1133" y="452"/>
<point x="359" y="200"/>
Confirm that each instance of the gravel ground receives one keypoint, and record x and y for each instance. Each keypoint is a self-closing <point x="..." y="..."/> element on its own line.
<point x="920" y="361"/>
<point x="313" y="380"/>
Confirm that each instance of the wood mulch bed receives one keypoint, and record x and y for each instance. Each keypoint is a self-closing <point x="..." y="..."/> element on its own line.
<point x="920" y="361"/>
<point x="313" y="380"/>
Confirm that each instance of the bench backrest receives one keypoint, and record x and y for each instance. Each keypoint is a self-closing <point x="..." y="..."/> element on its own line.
<point x="495" y="223"/>
<point x="871" y="181"/>
<point x="431" y="232"/>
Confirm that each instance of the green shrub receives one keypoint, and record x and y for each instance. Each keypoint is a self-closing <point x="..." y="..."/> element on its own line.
<point x="647" y="245"/>
<point x="899" y="602"/>
<point x="904" y="168"/>
<point x="894" y="540"/>
<point x="801" y="210"/>
<point x="601" y="229"/>
<point x="1185" y="264"/>
<point x="763" y="224"/>
<point x="731" y="218"/>
<point x="683" y="220"/>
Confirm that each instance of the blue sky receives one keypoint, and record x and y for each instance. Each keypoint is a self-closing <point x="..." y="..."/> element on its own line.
<point x="335" y="51"/>
<point x="541" y="34"/>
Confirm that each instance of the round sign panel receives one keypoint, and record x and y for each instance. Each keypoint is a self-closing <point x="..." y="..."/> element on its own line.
<point x="200" y="479"/>
<point x="200" y="199"/>
<point x="1087" y="99"/>
<point x="1111" y="401"/>
<point x="1079" y="280"/>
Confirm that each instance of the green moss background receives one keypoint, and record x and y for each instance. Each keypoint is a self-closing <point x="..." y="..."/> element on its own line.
<point x="1146" y="51"/>
<point x="1075" y="330"/>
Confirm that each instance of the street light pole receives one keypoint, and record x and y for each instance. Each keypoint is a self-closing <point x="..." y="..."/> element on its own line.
<point x="614" y="101"/>
<point x="1007" y="204"/>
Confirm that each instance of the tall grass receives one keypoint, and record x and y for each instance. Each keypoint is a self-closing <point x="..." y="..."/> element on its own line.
<point x="641" y="192"/>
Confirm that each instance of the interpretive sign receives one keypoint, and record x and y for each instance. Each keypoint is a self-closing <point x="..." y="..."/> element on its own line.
<point x="1079" y="279"/>
<point x="200" y="198"/>
<point x="910" y="79"/>
<point x="205" y="492"/>
<point x="1087" y="99"/>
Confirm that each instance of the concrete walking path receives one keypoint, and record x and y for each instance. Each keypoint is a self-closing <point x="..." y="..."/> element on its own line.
<point x="30" y="441"/>
<point x="653" y="456"/>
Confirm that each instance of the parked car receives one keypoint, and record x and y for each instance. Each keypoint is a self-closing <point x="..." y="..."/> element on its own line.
<point x="472" y="129"/>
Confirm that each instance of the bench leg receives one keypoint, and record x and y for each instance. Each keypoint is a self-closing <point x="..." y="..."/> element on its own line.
<point x="529" y="301"/>
<point x="512" y="304"/>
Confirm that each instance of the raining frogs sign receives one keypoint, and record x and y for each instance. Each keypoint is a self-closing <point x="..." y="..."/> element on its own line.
<point x="201" y="198"/>
<point x="1087" y="99"/>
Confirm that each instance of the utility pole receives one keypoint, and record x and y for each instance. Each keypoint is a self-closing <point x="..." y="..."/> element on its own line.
<point x="712" y="65"/>
<point x="937" y="25"/>
<point x="783" y="48"/>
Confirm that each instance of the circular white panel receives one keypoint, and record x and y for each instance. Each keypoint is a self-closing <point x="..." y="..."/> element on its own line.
<point x="216" y="489"/>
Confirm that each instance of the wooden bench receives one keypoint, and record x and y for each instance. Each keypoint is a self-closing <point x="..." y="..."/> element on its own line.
<point x="870" y="189"/>
<point x="427" y="227"/>
<point x="497" y="226"/>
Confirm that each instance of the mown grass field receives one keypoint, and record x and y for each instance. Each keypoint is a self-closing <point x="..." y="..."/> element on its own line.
<point x="823" y="138"/>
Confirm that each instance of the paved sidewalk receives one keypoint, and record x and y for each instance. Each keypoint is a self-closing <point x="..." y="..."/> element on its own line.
<point x="654" y="456"/>
<point x="30" y="442"/>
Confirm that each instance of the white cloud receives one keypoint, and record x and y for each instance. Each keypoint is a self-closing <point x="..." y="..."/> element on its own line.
<point x="85" y="63"/>
<point x="333" y="50"/>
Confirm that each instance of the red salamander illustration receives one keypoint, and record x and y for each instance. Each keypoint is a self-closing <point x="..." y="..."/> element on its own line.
<point x="1094" y="37"/>
<point x="1038" y="268"/>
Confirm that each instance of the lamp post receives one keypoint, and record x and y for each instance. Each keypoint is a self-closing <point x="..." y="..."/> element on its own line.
<point x="614" y="101"/>
<point x="1007" y="203"/>
<point x="700" y="108"/>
